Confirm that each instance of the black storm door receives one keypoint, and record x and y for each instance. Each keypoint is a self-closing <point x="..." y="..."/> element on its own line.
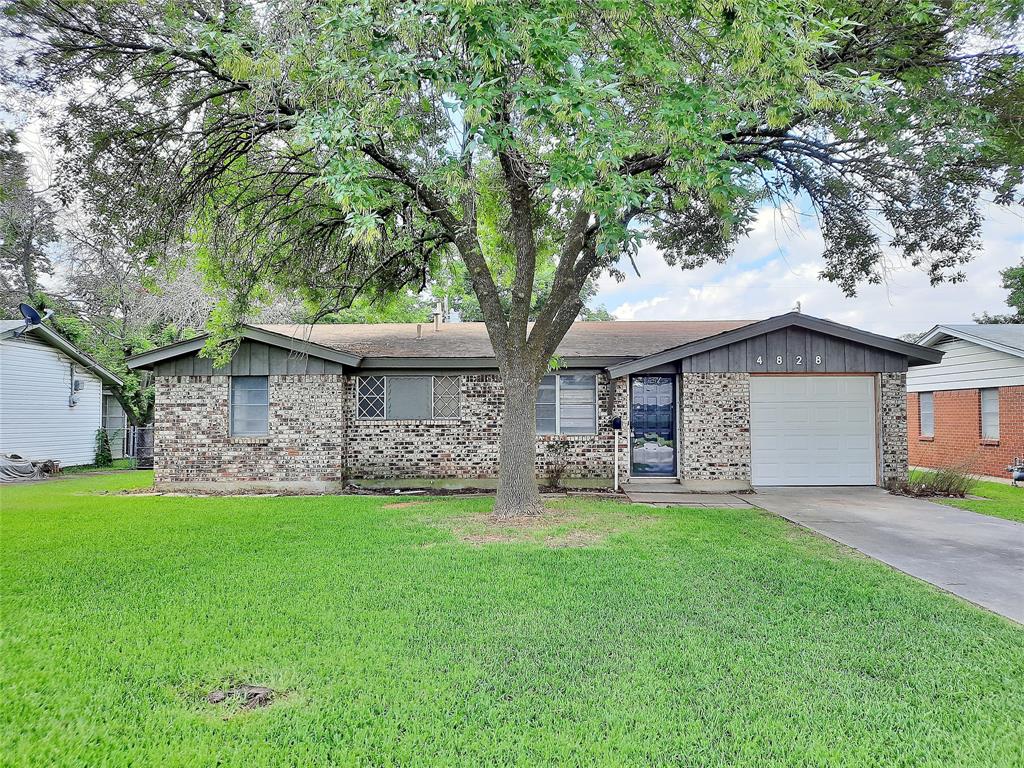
<point x="653" y="426"/>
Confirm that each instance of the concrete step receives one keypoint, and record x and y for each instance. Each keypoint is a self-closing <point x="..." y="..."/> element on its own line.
<point x="647" y="486"/>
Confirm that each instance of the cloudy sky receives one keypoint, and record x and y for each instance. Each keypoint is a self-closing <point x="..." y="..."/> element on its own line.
<point x="778" y="265"/>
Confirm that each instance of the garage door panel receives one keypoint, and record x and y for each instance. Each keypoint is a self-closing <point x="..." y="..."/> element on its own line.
<point x="813" y="430"/>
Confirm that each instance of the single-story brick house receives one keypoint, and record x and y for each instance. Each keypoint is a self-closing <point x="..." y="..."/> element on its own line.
<point x="969" y="408"/>
<point x="790" y="400"/>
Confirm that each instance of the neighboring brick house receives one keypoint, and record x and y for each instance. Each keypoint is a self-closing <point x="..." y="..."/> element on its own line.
<point x="969" y="409"/>
<point x="715" y="405"/>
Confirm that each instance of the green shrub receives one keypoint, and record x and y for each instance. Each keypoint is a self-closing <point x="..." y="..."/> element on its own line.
<point x="103" y="457"/>
<point x="954" y="481"/>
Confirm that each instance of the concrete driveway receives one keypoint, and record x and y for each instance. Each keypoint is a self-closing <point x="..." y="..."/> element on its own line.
<point x="978" y="557"/>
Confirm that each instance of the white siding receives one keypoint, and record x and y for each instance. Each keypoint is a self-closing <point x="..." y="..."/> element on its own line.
<point x="967" y="365"/>
<point x="35" y="419"/>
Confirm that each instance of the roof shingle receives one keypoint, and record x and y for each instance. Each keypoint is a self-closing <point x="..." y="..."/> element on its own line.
<point x="619" y="338"/>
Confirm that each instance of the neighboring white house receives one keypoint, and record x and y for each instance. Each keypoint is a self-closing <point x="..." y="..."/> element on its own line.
<point x="51" y="396"/>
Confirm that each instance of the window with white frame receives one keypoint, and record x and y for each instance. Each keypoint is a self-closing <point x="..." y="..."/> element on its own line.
<point x="567" y="405"/>
<point x="926" y="414"/>
<point x="413" y="398"/>
<point x="990" y="414"/>
<point x="250" y="406"/>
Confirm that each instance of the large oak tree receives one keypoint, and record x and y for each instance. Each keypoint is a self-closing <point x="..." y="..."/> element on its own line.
<point x="336" y="146"/>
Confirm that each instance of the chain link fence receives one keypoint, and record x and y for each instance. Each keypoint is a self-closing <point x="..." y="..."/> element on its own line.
<point x="139" y="446"/>
<point x="132" y="443"/>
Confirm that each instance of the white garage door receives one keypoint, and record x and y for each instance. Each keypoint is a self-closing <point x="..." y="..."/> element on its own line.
<point x="812" y="430"/>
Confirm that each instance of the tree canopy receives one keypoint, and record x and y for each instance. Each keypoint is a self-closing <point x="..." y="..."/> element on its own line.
<point x="339" y="146"/>
<point x="27" y="227"/>
<point x="1013" y="282"/>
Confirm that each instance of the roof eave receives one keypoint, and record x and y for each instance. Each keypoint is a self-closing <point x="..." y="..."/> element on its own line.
<point x="57" y="341"/>
<point x="170" y="351"/>
<point x="934" y="336"/>
<point x="375" y="362"/>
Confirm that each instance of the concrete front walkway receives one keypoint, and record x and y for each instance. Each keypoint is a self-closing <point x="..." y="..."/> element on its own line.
<point x="668" y="494"/>
<point x="978" y="557"/>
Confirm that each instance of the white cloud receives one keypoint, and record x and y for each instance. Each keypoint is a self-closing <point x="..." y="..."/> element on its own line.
<point x="628" y="311"/>
<point x="778" y="265"/>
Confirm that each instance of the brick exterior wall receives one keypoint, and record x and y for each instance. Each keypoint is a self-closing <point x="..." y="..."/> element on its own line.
<point x="314" y="436"/>
<point x="892" y="419"/>
<point x="714" y="416"/>
<point x="193" y="442"/>
<point x="957" y="437"/>
<point x="467" y="447"/>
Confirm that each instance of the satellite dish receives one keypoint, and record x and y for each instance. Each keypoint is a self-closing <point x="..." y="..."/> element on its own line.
<point x="29" y="313"/>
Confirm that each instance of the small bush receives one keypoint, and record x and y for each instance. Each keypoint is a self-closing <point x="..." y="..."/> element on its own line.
<point x="954" y="481"/>
<point x="558" y="462"/>
<point x="103" y="457"/>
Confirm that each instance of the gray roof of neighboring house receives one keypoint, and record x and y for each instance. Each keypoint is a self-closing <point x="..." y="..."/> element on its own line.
<point x="618" y="338"/>
<point x="1007" y="337"/>
<point x="8" y="329"/>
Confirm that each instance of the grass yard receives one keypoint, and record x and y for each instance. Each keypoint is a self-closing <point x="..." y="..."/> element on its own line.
<point x="998" y="500"/>
<point x="417" y="633"/>
<point x="85" y="468"/>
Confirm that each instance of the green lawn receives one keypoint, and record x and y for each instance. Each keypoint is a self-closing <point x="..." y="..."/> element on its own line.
<point x="999" y="500"/>
<point x="418" y="634"/>
<point x="84" y="468"/>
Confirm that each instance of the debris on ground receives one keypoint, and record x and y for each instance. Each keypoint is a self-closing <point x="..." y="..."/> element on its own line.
<point x="248" y="696"/>
<point x="15" y="469"/>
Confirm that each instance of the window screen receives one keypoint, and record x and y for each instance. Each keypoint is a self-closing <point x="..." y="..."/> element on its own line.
<point x="577" y="405"/>
<point x="990" y="414"/>
<point x="547" y="407"/>
<point x="927" y="414"/>
<point x="250" y="405"/>
<point x="567" y="405"/>
<point x="408" y="397"/>
<point x="414" y="398"/>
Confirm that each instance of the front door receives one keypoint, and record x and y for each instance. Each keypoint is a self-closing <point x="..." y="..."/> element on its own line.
<point x="653" y="426"/>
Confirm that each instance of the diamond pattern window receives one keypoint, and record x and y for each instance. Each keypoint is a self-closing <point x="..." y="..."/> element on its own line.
<point x="370" y="397"/>
<point x="446" y="397"/>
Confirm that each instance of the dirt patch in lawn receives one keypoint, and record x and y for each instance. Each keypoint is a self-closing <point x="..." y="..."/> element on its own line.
<point x="555" y="528"/>
<point x="403" y="505"/>
<point x="242" y="697"/>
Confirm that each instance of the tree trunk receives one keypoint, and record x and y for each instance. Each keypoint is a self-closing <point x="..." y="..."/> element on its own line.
<point x="518" y="493"/>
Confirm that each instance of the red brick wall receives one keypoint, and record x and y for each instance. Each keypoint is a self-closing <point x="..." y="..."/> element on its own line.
<point x="958" y="431"/>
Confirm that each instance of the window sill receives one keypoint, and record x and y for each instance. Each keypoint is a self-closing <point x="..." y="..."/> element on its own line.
<point x="988" y="443"/>
<point x="252" y="440"/>
<point x="925" y="439"/>
<point x="405" y="422"/>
